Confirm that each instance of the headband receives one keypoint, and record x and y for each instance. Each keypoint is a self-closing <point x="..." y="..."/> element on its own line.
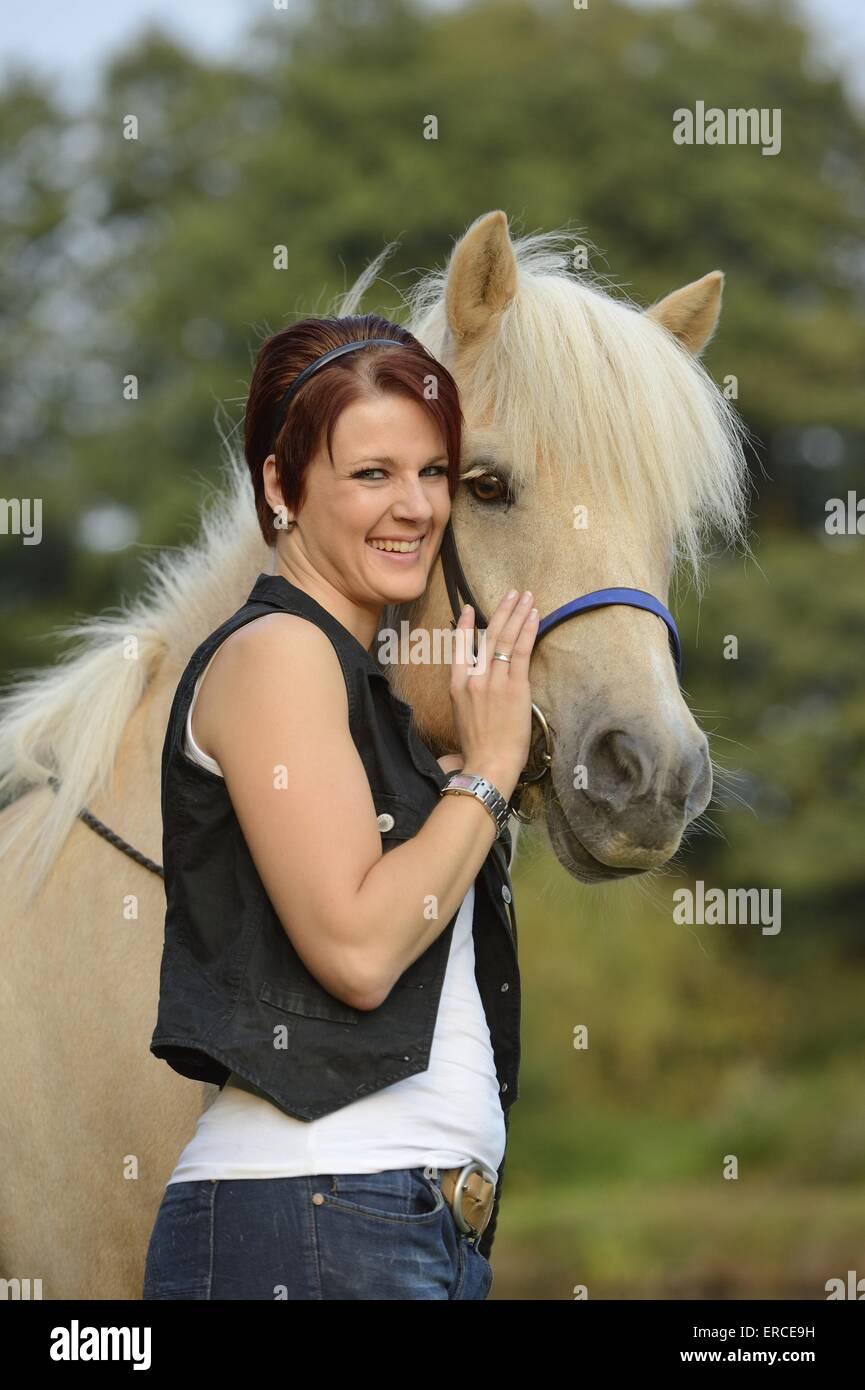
<point x="282" y="404"/>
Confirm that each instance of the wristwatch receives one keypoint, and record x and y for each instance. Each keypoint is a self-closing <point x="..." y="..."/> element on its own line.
<point x="469" y="784"/>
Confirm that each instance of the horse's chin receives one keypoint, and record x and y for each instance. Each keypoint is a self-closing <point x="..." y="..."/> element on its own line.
<point x="572" y="854"/>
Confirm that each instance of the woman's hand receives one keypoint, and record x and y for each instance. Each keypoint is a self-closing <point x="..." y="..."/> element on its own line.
<point x="492" y="706"/>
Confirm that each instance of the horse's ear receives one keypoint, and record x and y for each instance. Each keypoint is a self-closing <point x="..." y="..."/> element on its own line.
<point x="691" y="314"/>
<point x="481" y="277"/>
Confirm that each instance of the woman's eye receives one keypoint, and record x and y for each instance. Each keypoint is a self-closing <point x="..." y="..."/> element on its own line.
<point x="433" y="469"/>
<point x="488" y="487"/>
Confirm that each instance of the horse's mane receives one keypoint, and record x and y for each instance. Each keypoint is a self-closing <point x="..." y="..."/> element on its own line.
<point x="586" y="381"/>
<point x="67" y="720"/>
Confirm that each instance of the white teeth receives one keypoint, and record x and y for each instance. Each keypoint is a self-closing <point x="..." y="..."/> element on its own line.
<point x="402" y="547"/>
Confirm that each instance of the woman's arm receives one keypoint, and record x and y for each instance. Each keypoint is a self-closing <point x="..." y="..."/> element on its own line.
<point x="276" y="719"/>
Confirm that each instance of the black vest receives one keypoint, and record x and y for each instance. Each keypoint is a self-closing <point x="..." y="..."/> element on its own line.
<point x="234" y="996"/>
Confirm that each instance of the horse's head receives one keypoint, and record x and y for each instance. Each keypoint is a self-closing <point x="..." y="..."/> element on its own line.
<point x="597" y="453"/>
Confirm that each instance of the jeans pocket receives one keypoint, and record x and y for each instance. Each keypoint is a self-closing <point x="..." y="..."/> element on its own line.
<point x="382" y="1236"/>
<point x="180" y="1252"/>
<point x="402" y="1195"/>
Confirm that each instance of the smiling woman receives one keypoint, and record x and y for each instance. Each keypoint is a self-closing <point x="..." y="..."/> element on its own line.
<point x="366" y="1052"/>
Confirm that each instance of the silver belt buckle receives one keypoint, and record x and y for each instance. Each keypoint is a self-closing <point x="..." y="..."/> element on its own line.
<point x="457" y="1203"/>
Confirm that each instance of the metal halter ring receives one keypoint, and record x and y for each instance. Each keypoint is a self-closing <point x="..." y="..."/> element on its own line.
<point x="546" y="760"/>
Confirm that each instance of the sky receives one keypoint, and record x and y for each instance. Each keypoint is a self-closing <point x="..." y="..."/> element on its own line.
<point x="69" y="39"/>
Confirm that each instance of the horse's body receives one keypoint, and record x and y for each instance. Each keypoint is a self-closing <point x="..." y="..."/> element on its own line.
<point x="581" y="401"/>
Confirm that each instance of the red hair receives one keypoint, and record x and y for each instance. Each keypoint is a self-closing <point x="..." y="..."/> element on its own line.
<point x="314" y="411"/>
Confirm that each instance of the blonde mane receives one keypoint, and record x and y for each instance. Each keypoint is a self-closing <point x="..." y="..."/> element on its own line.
<point x="575" y="379"/>
<point x="68" y="720"/>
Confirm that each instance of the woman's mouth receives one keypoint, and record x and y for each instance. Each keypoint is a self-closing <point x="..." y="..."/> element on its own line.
<point x="402" y="551"/>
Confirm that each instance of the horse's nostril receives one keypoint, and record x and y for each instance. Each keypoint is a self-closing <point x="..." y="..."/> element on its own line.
<point x="698" y="785"/>
<point x="629" y="753"/>
<point x="624" y="767"/>
<point x="618" y="768"/>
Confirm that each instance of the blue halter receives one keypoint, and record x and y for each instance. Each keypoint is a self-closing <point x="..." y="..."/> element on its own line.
<point x="631" y="598"/>
<point x="456" y="584"/>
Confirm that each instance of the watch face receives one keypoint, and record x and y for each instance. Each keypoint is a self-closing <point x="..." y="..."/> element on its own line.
<point x="462" y="779"/>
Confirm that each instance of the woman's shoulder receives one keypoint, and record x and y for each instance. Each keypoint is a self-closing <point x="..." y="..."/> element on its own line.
<point x="274" y="649"/>
<point x="275" y="629"/>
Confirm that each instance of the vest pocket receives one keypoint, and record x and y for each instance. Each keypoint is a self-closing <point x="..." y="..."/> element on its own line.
<point x="322" y="1006"/>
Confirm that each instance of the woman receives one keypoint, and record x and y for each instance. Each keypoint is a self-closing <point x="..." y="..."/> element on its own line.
<point x="335" y="956"/>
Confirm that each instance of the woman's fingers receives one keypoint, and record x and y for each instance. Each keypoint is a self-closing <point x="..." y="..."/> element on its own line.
<point x="513" y="619"/>
<point x="522" y="651"/>
<point x="492" y="699"/>
<point x="499" y="620"/>
<point x="462" y="648"/>
<point x="506" y="639"/>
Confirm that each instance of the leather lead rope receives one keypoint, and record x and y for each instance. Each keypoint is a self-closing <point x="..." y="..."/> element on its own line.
<point x="112" y="837"/>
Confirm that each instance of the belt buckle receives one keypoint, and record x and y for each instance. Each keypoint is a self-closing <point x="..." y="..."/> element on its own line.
<point x="456" y="1201"/>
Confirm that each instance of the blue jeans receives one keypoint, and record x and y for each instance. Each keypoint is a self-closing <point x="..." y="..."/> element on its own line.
<point x="329" y="1236"/>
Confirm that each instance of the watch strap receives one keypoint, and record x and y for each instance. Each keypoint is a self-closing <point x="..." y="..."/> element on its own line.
<point x="470" y="784"/>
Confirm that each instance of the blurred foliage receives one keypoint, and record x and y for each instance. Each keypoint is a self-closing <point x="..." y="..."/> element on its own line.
<point x="786" y="719"/>
<point x="155" y="257"/>
<point x="702" y="1042"/>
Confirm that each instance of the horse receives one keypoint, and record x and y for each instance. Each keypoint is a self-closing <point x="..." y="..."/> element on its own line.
<point x="597" y="451"/>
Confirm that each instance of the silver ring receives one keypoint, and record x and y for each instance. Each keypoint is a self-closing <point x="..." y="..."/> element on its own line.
<point x="500" y="656"/>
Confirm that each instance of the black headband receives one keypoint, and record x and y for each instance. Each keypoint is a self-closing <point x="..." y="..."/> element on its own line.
<point x="282" y="404"/>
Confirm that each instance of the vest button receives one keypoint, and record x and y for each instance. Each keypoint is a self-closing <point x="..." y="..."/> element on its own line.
<point x="506" y="893"/>
<point x="503" y="1087"/>
<point x="406" y="1059"/>
<point x="505" y="987"/>
<point x="385" y="822"/>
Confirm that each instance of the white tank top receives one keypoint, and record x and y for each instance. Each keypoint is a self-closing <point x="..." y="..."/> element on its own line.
<point x="442" y="1117"/>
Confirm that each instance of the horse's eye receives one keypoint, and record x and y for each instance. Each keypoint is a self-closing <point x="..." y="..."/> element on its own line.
<point x="488" y="488"/>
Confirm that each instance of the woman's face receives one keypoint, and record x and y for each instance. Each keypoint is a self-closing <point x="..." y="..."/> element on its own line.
<point x="389" y="480"/>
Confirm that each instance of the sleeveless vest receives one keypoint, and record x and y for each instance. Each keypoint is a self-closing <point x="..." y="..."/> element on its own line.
<point x="234" y="995"/>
